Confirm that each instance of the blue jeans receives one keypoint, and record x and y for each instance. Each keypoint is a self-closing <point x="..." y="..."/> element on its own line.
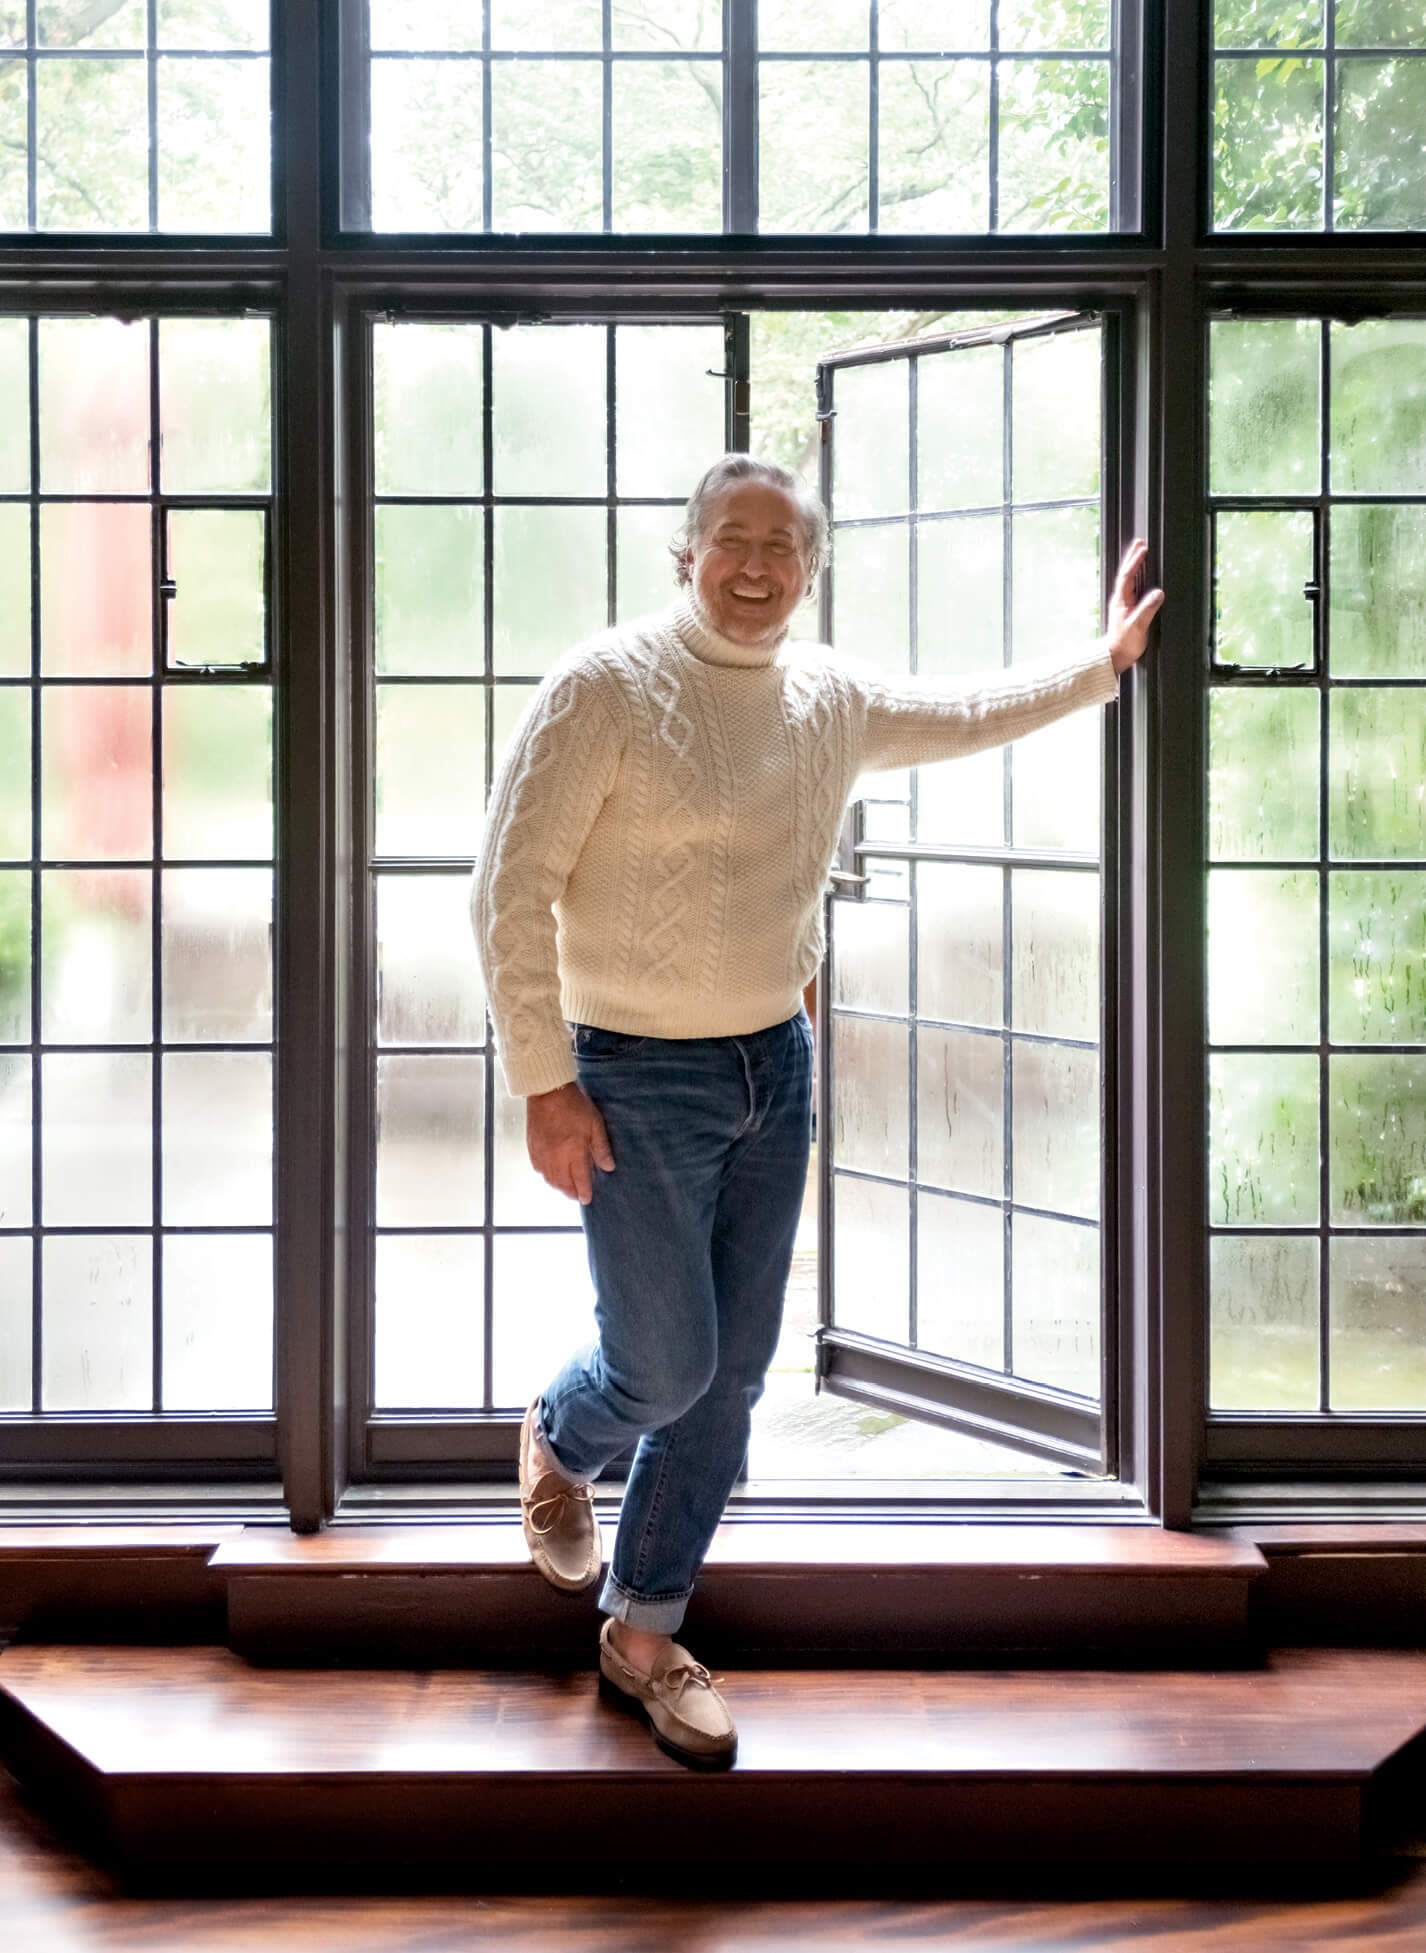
<point x="690" y="1242"/>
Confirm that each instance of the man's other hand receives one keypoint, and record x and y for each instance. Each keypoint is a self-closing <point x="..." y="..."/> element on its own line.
<point x="566" y="1140"/>
<point x="1129" y="621"/>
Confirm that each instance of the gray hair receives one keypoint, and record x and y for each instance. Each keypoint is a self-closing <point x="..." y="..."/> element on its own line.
<point x="726" y="472"/>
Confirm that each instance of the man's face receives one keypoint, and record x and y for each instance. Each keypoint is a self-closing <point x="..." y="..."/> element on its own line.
<point x="749" y="565"/>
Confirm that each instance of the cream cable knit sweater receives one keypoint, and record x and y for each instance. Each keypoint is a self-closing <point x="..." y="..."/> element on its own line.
<point x="659" y="837"/>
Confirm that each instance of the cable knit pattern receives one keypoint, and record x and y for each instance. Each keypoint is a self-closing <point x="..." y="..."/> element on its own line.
<point x="659" y="838"/>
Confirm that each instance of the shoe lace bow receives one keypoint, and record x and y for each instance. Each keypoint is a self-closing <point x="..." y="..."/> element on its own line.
<point x="554" y="1503"/>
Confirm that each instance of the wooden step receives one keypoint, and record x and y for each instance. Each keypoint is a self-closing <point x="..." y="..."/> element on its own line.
<point x="779" y="1591"/>
<point x="181" y="1758"/>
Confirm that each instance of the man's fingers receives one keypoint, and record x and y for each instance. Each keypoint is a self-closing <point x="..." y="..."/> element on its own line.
<point x="599" y="1146"/>
<point x="1145" y="612"/>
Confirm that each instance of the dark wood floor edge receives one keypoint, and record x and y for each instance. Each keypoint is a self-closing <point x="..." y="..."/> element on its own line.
<point x="60" y="1780"/>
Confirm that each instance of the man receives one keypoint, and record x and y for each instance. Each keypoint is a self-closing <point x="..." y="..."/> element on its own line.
<point x="648" y="905"/>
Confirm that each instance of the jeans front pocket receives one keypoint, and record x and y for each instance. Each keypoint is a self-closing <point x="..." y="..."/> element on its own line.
<point x="590" y="1041"/>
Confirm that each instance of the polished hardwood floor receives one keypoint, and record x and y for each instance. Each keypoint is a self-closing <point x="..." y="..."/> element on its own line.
<point x="54" y="1901"/>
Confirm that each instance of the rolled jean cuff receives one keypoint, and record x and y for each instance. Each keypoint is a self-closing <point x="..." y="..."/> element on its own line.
<point x="661" y="1615"/>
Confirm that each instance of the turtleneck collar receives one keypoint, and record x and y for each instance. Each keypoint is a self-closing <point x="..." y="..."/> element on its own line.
<point x="702" y="638"/>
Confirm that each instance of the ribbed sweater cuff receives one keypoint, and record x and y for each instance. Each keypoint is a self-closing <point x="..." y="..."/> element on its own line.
<point x="544" y="1070"/>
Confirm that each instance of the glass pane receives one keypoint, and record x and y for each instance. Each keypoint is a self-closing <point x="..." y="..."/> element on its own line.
<point x="642" y="24"/>
<point x="96" y="772"/>
<point x="1377" y="181"/>
<point x="94" y="407"/>
<point x="812" y="26"/>
<point x="1264" y="404"/>
<point x="1055" y="580"/>
<point x="551" y="584"/>
<point x="215" y="394"/>
<point x="212" y="23"/>
<point x="14" y="145"/>
<point x="14" y="957"/>
<point x="1054" y="23"/>
<point x="645" y="568"/>
<point x="930" y="25"/>
<point x="1378" y="1140"/>
<point x="433" y="24"/>
<point x="14" y="589"/>
<point x="871" y="594"/>
<point x="531" y="1344"/>
<point x="1377" y="1332"/>
<point x="960" y="1281"/>
<point x="547" y="146"/>
<point x="73" y="23"/>
<point x="1263" y="1326"/>
<point x="1056" y="785"/>
<point x="98" y="1323"/>
<point x="428" y="145"/>
<point x="548" y="386"/>
<point x="428" y="982"/>
<point x="1054" y="146"/>
<point x="430" y="746"/>
<point x="960" y="1112"/>
<point x="1055" y="1303"/>
<point x="1264" y="1168"/>
<point x="217" y="1322"/>
<point x="14" y="395"/>
<point x="960" y="935"/>
<point x="1378" y="603"/>
<point x="1262" y="957"/>
<point x="218" y="559"/>
<point x="96" y="955"/>
<point x="15" y="812"/>
<point x="522" y="1197"/>
<point x="1055" y="984"/>
<point x="933" y="140"/>
<point x="871" y="1243"/>
<point x="1379" y="23"/>
<point x="670" y="408"/>
<point x="96" y="588"/>
<point x="430" y="1322"/>
<point x="1262" y="566"/>
<point x="16" y="1279"/>
<point x="217" y="1172"/>
<point x="16" y="1163"/>
<point x="1264" y="759"/>
<point x="1376" y="763"/>
<point x="1268" y="120"/>
<point x="870" y="960"/>
<point x="960" y="437"/>
<point x="1269" y="23"/>
<point x="870" y="455"/>
<point x="430" y="590"/>
<point x="812" y="145"/>
<point x="1056" y="422"/>
<point x="1379" y="407"/>
<point x="214" y="146"/>
<point x="427" y="406"/>
<point x="430" y="1120"/>
<point x="668" y="147"/>
<point x="217" y="955"/>
<point x="1377" y="967"/>
<point x="98" y="1121"/>
<point x="545" y="24"/>
<point x="217" y="772"/>
<point x="91" y="144"/>
<point x="870" y="1081"/>
<point x="960" y="576"/>
<point x="1056" y="1127"/>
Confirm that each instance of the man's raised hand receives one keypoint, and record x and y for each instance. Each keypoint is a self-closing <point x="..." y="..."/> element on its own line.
<point x="1129" y="622"/>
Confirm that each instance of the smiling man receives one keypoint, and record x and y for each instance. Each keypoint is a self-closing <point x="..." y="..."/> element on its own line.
<point x="648" y="905"/>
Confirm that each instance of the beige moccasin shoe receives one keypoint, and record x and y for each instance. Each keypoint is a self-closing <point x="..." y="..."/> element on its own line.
<point x="557" y="1513"/>
<point x="688" y="1717"/>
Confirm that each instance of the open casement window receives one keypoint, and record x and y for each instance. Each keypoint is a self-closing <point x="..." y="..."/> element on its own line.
<point x="964" y="1249"/>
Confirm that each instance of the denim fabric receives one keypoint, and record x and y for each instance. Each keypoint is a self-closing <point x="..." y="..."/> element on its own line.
<point x="690" y="1242"/>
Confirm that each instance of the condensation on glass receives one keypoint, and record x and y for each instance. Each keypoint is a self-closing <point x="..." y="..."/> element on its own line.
<point x="134" y="117"/>
<point x="1317" y="863"/>
<point x="1318" y="110"/>
<point x="967" y="1130"/>
<point x="710" y="116"/>
<point x="136" y="863"/>
<point x="527" y="483"/>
